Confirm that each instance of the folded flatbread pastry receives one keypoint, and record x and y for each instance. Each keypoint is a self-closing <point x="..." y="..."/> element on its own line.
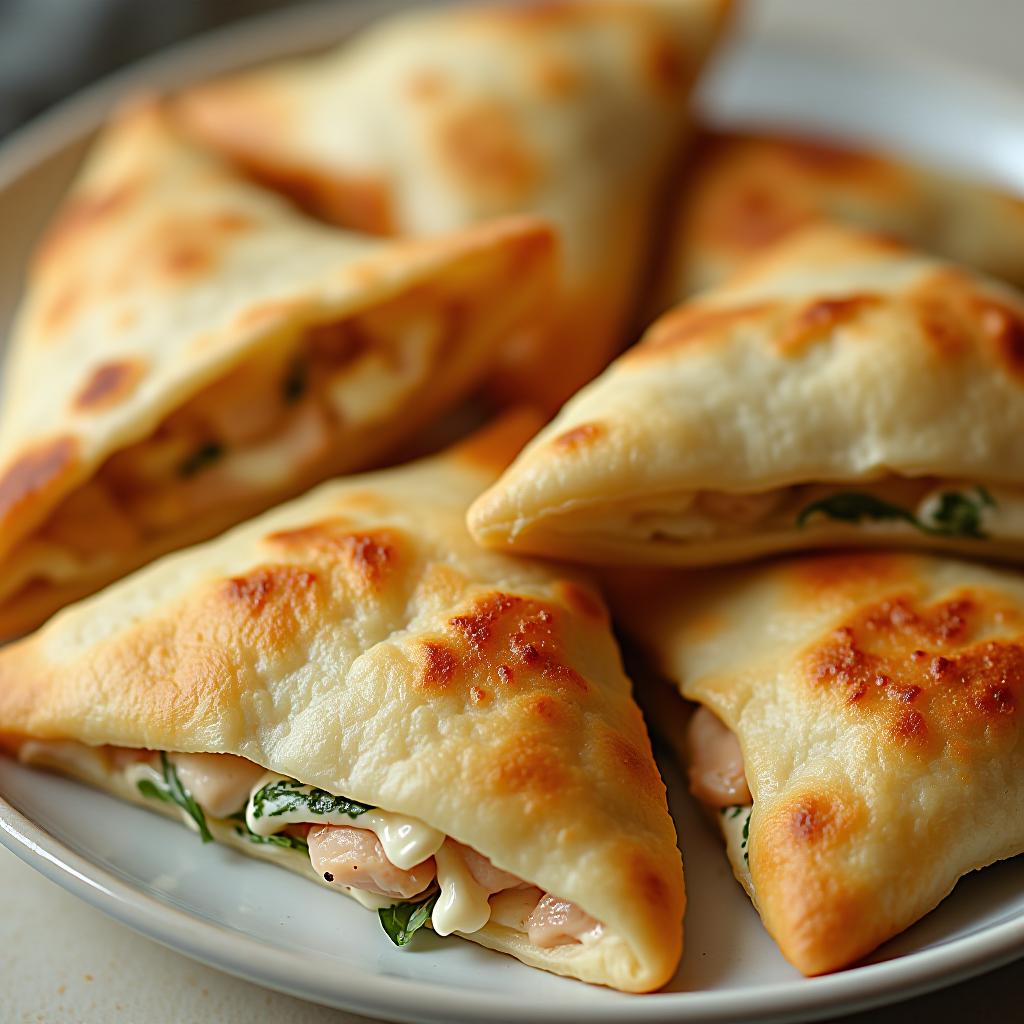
<point x="841" y="391"/>
<point x="436" y="119"/>
<point x="190" y="350"/>
<point x="861" y="738"/>
<point x="743" y="193"/>
<point x="350" y="686"/>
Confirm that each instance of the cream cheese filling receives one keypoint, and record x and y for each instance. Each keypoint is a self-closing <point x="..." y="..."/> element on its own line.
<point x="406" y="841"/>
<point x="251" y="434"/>
<point x="735" y="825"/>
<point x="905" y="506"/>
<point x="718" y="780"/>
<point x="462" y="903"/>
<point x="939" y="508"/>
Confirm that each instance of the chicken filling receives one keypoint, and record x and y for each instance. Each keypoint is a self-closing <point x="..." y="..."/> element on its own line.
<point x="926" y="505"/>
<point x="716" y="771"/>
<point x="410" y="873"/>
<point x="259" y="430"/>
<point x="718" y="779"/>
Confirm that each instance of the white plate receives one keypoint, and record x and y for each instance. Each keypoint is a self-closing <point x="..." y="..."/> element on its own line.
<point x="257" y="921"/>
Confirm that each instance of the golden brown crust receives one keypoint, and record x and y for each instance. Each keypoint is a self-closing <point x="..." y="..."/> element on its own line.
<point x="165" y="273"/>
<point x="358" y="640"/>
<point x="878" y="701"/>
<point x="743" y="193"/>
<point x="845" y="361"/>
<point x="34" y="479"/>
<point x="454" y="115"/>
<point x="109" y="383"/>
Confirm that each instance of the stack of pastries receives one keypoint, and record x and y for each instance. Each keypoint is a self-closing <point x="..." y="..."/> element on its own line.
<point x="404" y="683"/>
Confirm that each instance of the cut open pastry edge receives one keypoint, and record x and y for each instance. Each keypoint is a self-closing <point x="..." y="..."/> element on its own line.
<point x="708" y="527"/>
<point x="597" y="956"/>
<point x="43" y="574"/>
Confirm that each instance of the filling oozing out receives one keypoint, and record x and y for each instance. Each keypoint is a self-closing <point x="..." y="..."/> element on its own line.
<point x="927" y="506"/>
<point x="410" y="873"/>
<point x="268" y="424"/>
<point x="718" y="780"/>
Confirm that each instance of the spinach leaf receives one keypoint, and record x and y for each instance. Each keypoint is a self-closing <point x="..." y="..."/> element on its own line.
<point x="285" y="796"/>
<point x="852" y="507"/>
<point x="732" y="813"/>
<point x="202" y="458"/>
<point x="281" y="839"/>
<point x="403" y="920"/>
<point x="171" y="791"/>
<point x="956" y="514"/>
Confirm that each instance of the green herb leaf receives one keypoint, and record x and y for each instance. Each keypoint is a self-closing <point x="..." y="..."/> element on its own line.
<point x="281" y="839"/>
<point x="746" y="838"/>
<point x="853" y="507"/>
<point x="296" y="381"/>
<point x="956" y="514"/>
<point x="285" y="796"/>
<point x="403" y="920"/>
<point x="149" y="789"/>
<point x="172" y="791"/>
<point x="202" y="458"/>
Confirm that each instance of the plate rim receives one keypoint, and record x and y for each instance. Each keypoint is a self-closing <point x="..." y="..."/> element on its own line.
<point x="408" y="999"/>
<point x="74" y="119"/>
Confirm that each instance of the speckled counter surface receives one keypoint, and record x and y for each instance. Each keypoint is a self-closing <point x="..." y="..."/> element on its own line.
<point x="61" y="962"/>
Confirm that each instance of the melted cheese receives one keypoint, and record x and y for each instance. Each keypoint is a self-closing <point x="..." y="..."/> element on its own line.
<point x="406" y="841"/>
<point x="370" y="900"/>
<point x="379" y="383"/>
<point x="733" y="823"/>
<point x="512" y="908"/>
<point x="693" y="516"/>
<point x="463" y="905"/>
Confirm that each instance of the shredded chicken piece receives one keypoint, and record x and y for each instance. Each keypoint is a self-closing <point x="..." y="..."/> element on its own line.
<point x="486" y="875"/>
<point x="219" y="783"/>
<point x="738" y="509"/>
<point x="354" y="856"/>
<point x="247" y="404"/>
<point x="717" y="774"/>
<point x="558" y="922"/>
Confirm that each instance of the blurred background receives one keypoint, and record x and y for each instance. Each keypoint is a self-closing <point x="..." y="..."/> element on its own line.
<point x="51" y="48"/>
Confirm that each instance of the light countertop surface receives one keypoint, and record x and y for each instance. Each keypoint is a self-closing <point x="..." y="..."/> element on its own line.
<point x="62" y="962"/>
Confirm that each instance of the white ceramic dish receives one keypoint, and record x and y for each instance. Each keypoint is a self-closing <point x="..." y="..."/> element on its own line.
<point x="262" y="923"/>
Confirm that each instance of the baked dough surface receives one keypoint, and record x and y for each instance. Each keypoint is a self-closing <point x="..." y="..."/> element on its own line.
<point x="840" y="359"/>
<point x="163" y="273"/>
<point x="878" y="700"/>
<point x="439" y="118"/>
<point x="359" y="641"/>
